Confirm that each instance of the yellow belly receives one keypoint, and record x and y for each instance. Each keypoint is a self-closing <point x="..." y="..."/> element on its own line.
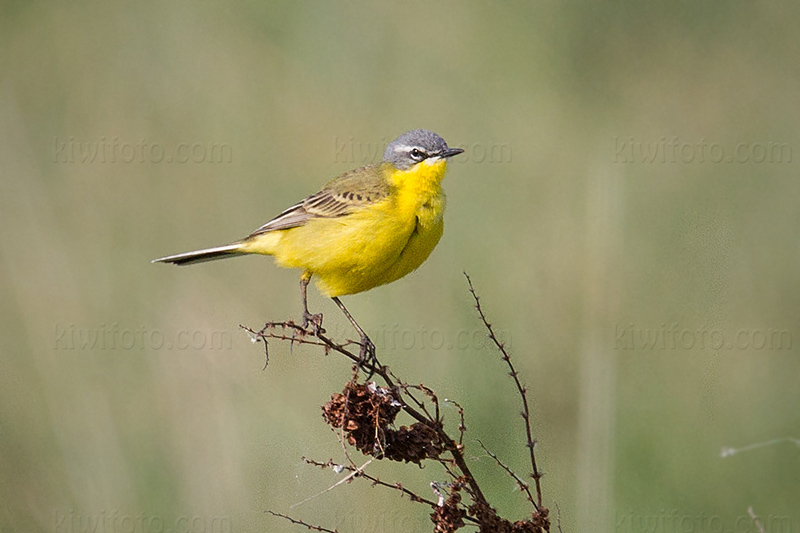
<point x="357" y="252"/>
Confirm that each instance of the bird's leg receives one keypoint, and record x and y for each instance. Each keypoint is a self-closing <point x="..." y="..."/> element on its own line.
<point x="369" y="361"/>
<point x="308" y="318"/>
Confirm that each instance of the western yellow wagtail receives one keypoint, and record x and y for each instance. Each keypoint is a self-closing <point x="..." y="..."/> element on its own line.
<point x="367" y="227"/>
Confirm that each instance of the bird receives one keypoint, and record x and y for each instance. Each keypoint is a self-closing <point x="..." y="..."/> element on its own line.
<point x="365" y="228"/>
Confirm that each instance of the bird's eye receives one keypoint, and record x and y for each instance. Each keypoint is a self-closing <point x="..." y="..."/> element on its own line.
<point x="417" y="154"/>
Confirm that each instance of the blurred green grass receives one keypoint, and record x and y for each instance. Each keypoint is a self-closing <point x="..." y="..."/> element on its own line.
<point x="566" y="244"/>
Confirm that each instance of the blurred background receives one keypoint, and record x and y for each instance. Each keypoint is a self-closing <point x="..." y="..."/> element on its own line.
<point x="627" y="207"/>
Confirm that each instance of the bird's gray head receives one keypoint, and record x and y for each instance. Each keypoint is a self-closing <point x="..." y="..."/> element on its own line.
<point x="415" y="146"/>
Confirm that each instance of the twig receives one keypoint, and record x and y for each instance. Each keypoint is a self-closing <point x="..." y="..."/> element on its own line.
<point x="432" y="443"/>
<point x="353" y="473"/>
<point x="384" y="373"/>
<point x="558" y="518"/>
<point x="728" y="451"/>
<point x="429" y="393"/>
<point x="521" y="484"/>
<point x="462" y="427"/>
<point x="756" y="520"/>
<point x="301" y="523"/>
<point x="414" y="497"/>
<point x="522" y="391"/>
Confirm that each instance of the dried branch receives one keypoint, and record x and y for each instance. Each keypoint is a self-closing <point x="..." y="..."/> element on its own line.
<point x="301" y="523"/>
<point x="363" y="416"/>
<point x="523" y="392"/>
<point x="413" y="496"/>
<point x="383" y="372"/>
<point x="521" y="484"/>
<point x="756" y="520"/>
<point x="462" y="427"/>
<point x="354" y="471"/>
<point x="727" y="451"/>
<point x="558" y="518"/>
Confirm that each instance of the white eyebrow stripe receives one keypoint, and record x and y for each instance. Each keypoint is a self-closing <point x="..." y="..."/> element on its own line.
<point x="406" y="148"/>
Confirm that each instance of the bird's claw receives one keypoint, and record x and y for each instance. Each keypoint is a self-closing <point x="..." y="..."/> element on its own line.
<point x="368" y="358"/>
<point x="314" y="321"/>
<point x="312" y="325"/>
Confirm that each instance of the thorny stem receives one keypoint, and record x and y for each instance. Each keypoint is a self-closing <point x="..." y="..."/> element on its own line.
<point x="558" y="518"/>
<point x="376" y="481"/>
<point x="318" y="338"/>
<point x="385" y="375"/>
<point x="523" y="392"/>
<point x="413" y="496"/>
<point x="522" y="485"/>
<point x="300" y="522"/>
<point x="462" y="427"/>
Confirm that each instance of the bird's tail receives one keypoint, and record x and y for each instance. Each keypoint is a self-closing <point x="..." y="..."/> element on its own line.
<point x="201" y="256"/>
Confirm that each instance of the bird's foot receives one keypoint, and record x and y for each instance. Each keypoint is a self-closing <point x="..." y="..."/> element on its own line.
<point x="312" y="322"/>
<point x="368" y="359"/>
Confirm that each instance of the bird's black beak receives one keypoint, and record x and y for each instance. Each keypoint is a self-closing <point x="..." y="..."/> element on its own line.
<point x="450" y="152"/>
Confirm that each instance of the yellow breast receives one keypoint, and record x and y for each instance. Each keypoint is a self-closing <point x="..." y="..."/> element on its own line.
<point x="376" y="244"/>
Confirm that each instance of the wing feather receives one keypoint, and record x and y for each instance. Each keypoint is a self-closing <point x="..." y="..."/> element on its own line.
<point x="343" y="195"/>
